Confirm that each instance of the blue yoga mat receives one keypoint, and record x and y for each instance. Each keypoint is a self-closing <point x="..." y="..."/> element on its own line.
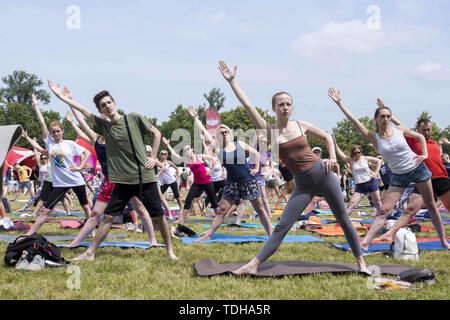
<point x="376" y="247"/>
<point x="244" y="225"/>
<point x="239" y="239"/>
<point x="139" y="244"/>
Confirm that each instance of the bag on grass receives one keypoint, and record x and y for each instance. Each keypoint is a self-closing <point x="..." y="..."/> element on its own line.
<point x="34" y="245"/>
<point x="405" y="245"/>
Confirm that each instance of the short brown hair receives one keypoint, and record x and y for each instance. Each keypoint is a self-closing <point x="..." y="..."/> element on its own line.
<point x="56" y="124"/>
<point x="99" y="96"/>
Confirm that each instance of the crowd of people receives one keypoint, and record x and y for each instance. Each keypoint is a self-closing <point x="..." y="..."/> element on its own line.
<point x="228" y="172"/>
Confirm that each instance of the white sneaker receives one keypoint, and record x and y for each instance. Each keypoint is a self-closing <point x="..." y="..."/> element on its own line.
<point x="38" y="263"/>
<point x="23" y="263"/>
<point x="137" y="228"/>
<point x="129" y="226"/>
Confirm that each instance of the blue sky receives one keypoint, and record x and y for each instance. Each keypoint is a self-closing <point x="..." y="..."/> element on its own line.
<point x="154" y="55"/>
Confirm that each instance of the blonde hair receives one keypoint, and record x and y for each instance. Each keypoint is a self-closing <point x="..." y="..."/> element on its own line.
<point x="56" y="124"/>
<point x="219" y="135"/>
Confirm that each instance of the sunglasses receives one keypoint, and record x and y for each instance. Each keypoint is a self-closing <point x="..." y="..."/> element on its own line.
<point x="163" y="153"/>
<point x="357" y="152"/>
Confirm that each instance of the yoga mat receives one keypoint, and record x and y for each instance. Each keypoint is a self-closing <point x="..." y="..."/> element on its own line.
<point x="209" y="267"/>
<point x="242" y="225"/>
<point x="139" y="244"/>
<point x="377" y="247"/>
<point x="59" y="215"/>
<point x="241" y="239"/>
<point x="51" y="238"/>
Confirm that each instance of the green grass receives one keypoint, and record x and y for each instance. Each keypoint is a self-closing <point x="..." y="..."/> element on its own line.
<point x="139" y="274"/>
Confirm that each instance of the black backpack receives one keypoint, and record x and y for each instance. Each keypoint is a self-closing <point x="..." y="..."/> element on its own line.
<point x="6" y="205"/>
<point x="34" y="245"/>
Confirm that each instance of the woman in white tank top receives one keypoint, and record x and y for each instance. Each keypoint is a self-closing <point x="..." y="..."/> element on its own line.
<point x="362" y="175"/>
<point x="406" y="166"/>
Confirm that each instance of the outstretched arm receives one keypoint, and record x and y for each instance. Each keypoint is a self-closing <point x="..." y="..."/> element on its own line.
<point x="336" y="97"/>
<point x="341" y="154"/>
<point x="58" y="92"/>
<point x="229" y="75"/>
<point x="172" y="151"/>
<point x="442" y="141"/>
<point x="193" y="113"/>
<point x="39" y="116"/>
<point x="33" y="143"/>
<point x="78" y="131"/>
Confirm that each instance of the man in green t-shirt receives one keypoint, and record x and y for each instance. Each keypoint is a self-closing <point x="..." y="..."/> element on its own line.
<point x="130" y="170"/>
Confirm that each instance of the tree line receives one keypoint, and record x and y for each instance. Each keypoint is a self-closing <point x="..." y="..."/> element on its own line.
<point x="16" y="107"/>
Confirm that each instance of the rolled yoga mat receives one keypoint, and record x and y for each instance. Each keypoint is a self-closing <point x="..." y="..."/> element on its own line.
<point x="67" y="237"/>
<point x="10" y="135"/>
<point x="209" y="267"/>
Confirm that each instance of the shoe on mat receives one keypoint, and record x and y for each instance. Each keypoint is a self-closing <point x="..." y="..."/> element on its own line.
<point x="38" y="263"/>
<point x="129" y="226"/>
<point x="23" y="263"/>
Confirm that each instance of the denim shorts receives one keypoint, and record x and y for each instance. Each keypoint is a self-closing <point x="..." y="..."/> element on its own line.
<point x="367" y="187"/>
<point x="419" y="174"/>
<point x="23" y="185"/>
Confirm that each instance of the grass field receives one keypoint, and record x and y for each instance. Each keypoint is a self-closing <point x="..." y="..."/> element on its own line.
<point x="139" y="274"/>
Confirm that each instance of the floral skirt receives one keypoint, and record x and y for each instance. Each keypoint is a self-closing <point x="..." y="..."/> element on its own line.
<point x="247" y="190"/>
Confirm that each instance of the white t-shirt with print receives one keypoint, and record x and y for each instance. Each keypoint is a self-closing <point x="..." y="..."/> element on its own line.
<point x="61" y="159"/>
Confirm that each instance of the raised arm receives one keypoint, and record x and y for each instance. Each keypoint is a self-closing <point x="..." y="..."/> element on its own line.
<point x="41" y="120"/>
<point x="394" y="119"/>
<point x="442" y="141"/>
<point x="172" y="151"/>
<point x="59" y="93"/>
<point x="193" y="113"/>
<point x="229" y="75"/>
<point x="341" y="154"/>
<point x="336" y="97"/>
<point x="33" y="143"/>
<point x="78" y="131"/>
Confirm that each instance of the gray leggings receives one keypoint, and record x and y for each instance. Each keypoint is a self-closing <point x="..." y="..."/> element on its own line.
<point x="315" y="180"/>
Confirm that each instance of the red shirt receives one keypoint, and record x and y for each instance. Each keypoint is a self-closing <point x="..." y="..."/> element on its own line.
<point x="434" y="160"/>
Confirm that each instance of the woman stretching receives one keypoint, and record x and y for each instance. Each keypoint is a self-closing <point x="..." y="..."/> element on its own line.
<point x="65" y="172"/>
<point x="406" y="166"/>
<point x="311" y="174"/>
<point x="202" y="177"/>
<point x="364" y="178"/>
<point x="241" y="183"/>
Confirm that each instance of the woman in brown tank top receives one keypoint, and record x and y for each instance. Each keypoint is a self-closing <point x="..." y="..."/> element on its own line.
<point x="311" y="174"/>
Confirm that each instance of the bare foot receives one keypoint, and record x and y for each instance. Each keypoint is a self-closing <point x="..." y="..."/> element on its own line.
<point x="84" y="257"/>
<point x="205" y="237"/>
<point x="362" y="267"/>
<point x="387" y="237"/>
<point x="246" y="269"/>
<point x="172" y="255"/>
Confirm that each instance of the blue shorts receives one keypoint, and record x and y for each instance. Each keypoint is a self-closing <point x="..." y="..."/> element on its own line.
<point x="23" y="185"/>
<point x="367" y="187"/>
<point x="419" y="174"/>
<point x="260" y="180"/>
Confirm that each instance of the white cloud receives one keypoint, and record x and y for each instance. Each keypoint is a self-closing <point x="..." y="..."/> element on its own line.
<point x="432" y="71"/>
<point x="333" y="38"/>
<point x="355" y="36"/>
<point x="218" y="16"/>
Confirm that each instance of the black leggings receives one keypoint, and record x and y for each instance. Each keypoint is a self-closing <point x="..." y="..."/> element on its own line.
<point x="196" y="191"/>
<point x="312" y="181"/>
<point x="173" y="186"/>
<point x="218" y="190"/>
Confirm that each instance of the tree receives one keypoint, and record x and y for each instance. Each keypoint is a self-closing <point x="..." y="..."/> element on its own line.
<point x="215" y="99"/>
<point x="19" y="87"/>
